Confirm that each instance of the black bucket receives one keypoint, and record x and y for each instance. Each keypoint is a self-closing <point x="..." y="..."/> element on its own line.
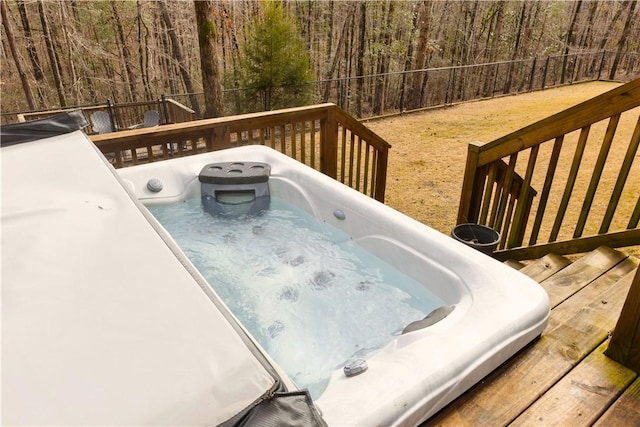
<point x="480" y="237"/>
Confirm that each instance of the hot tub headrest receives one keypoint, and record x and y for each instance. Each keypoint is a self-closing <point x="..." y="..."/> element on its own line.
<point x="235" y="173"/>
<point x="233" y="188"/>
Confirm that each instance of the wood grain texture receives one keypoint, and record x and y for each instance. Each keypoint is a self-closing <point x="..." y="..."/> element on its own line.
<point x="625" y="342"/>
<point x="581" y="396"/>
<point x="545" y="267"/>
<point x="625" y="411"/>
<point x="579" y="274"/>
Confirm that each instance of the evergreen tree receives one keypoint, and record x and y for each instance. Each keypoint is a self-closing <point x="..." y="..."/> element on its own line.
<point x="275" y="64"/>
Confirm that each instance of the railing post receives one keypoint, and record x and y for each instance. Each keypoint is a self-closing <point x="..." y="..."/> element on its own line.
<point x="329" y="143"/>
<point x="165" y="110"/>
<point x="624" y="346"/>
<point x="381" y="175"/>
<point x="468" y="184"/>
<point x="112" y="117"/>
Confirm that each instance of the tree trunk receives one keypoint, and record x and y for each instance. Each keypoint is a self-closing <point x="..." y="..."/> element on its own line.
<point x="207" y="39"/>
<point x="362" y="31"/>
<point x="73" y="76"/>
<point x="177" y="55"/>
<point x="55" y="68"/>
<point x="31" y="49"/>
<point x="336" y="57"/>
<point x="569" y="40"/>
<point x="143" y="58"/>
<point x="516" y="48"/>
<point x="8" y="30"/>
<point x="623" y="39"/>
<point x="493" y="47"/>
<point x="383" y="63"/>
<point x="421" y="54"/>
<point x="131" y="78"/>
<point x="330" y="33"/>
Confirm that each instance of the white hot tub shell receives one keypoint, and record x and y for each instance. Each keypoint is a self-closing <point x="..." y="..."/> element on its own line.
<point x="497" y="310"/>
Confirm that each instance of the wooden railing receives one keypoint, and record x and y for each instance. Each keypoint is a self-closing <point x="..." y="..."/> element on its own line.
<point x="499" y="192"/>
<point x="125" y="115"/>
<point x="323" y="137"/>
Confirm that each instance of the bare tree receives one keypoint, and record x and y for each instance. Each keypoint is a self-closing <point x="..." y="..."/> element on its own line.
<point x="178" y="56"/>
<point x="143" y="46"/>
<point x="8" y="30"/>
<point x="126" y="55"/>
<point x="362" y="29"/>
<point x="623" y="39"/>
<point x="51" y="51"/>
<point x="31" y="49"/>
<point x="569" y="40"/>
<point x="423" y="48"/>
<point x="207" y="38"/>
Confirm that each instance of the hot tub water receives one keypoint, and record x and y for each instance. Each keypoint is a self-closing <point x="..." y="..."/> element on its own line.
<point x="308" y="293"/>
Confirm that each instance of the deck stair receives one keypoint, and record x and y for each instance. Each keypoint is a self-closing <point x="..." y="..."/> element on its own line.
<point x="563" y="378"/>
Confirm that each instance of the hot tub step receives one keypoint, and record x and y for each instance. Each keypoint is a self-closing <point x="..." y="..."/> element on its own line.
<point x="545" y="267"/>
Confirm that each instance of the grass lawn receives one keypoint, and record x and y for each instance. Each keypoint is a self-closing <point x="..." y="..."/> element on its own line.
<point x="428" y="154"/>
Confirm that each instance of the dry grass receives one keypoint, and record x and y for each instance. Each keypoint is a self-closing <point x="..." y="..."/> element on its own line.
<point x="426" y="162"/>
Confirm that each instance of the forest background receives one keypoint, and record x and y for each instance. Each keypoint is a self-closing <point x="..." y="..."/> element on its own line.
<point x="58" y="54"/>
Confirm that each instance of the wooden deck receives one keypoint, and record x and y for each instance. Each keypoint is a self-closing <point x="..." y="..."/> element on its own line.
<point x="563" y="378"/>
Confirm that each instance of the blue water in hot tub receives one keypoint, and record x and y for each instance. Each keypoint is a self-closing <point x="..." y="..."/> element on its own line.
<point x="310" y="295"/>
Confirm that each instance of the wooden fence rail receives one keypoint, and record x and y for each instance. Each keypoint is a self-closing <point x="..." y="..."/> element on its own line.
<point x="553" y="150"/>
<point x="124" y="116"/>
<point x="322" y="136"/>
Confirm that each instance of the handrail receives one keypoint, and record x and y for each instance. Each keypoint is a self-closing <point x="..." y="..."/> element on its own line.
<point x="482" y="199"/>
<point x="125" y="115"/>
<point x="323" y="136"/>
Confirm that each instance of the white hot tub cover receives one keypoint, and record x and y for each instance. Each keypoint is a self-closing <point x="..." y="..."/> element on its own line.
<point x="102" y="321"/>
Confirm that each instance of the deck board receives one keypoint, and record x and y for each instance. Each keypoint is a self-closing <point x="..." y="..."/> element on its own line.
<point x="568" y="359"/>
<point x="545" y="267"/>
<point x="582" y="395"/>
<point x="625" y="411"/>
<point x="571" y="279"/>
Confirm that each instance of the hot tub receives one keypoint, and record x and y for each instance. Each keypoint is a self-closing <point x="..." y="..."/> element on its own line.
<point x="486" y="311"/>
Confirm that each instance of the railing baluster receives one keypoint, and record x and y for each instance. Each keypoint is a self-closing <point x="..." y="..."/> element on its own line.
<point x="635" y="216"/>
<point x="358" y="161"/>
<point x="479" y="182"/>
<point x="366" y="168"/>
<point x="571" y="180"/>
<point x="374" y="173"/>
<point x="495" y="206"/>
<point x="488" y="191"/>
<point x="303" y="150"/>
<point x="551" y="170"/>
<point x="597" y="173"/>
<point x="351" y="157"/>
<point x="622" y="179"/>
<point x="382" y="158"/>
<point x="293" y="141"/>
<point x="467" y="196"/>
<point x="506" y="192"/>
<point x="283" y="138"/>
<point x="329" y="143"/>
<point x="272" y="137"/>
<point x="507" y="222"/>
<point x="522" y="211"/>
<point x="343" y="163"/>
<point x="313" y="143"/>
